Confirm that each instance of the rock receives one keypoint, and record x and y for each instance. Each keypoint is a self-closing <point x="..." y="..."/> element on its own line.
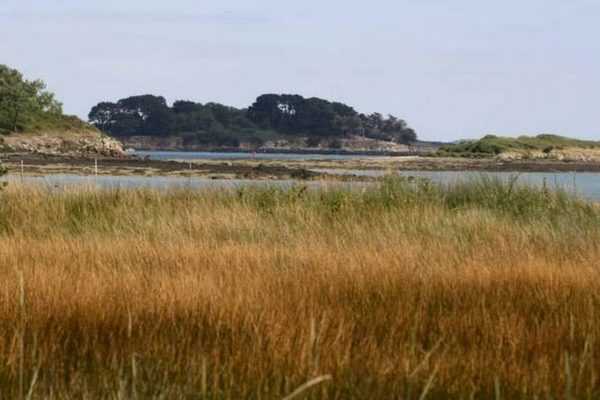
<point x="509" y="156"/>
<point x="82" y="144"/>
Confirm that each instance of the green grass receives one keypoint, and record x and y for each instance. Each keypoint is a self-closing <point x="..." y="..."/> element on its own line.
<point x="493" y="145"/>
<point x="58" y="123"/>
<point x="51" y="123"/>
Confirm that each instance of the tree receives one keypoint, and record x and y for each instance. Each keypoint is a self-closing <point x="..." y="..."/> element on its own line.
<point x="348" y="125"/>
<point x="156" y="117"/>
<point x="137" y="115"/>
<point x="278" y="112"/>
<point x="23" y="101"/>
<point x="294" y="114"/>
<point x="214" y="123"/>
<point x="103" y="116"/>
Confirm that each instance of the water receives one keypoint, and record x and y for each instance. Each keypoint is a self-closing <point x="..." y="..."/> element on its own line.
<point x="586" y="185"/>
<point x="193" y="155"/>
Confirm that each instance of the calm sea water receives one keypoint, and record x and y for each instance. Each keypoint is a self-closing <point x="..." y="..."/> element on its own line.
<point x="586" y="185"/>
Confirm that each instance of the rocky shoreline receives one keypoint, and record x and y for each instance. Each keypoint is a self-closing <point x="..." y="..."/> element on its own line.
<point x="77" y="153"/>
<point x="39" y="164"/>
<point x="44" y="164"/>
<point x="87" y="143"/>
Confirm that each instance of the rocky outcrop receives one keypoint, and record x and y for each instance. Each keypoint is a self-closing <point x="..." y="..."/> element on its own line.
<point x="89" y="143"/>
<point x="290" y="143"/>
<point x="567" y="155"/>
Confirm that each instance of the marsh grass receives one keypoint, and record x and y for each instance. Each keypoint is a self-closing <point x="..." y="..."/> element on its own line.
<point x="407" y="290"/>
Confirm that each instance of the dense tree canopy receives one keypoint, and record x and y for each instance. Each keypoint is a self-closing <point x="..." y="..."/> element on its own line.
<point x="317" y="117"/>
<point x="23" y="103"/>
<point x="214" y="123"/>
<point x="150" y="115"/>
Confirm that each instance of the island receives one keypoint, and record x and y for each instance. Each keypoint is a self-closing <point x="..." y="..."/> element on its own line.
<point x="274" y="122"/>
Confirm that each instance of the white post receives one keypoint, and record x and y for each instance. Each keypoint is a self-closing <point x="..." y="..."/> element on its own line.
<point x="96" y="166"/>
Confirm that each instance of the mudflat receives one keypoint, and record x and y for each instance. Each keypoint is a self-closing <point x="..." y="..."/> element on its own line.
<point x="44" y="164"/>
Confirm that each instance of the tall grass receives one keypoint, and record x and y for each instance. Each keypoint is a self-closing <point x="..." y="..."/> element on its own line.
<point x="406" y="290"/>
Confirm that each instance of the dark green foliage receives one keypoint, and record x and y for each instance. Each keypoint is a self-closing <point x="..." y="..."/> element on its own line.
<point x="129" y="116"/>
<point x="208" y="124"/>
<point x="270" y="116"/>
<point x="294" y="114"/>
<point x="26" y="106"/>
<point x="335" y="144"/>
<point x="24" y="103"/>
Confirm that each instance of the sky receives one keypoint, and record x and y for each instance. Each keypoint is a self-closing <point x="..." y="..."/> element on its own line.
<point x="452" y="69"/>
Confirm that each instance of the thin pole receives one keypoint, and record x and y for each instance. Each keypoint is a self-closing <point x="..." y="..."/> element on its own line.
<point x="22" y="169"/>
<point x="96" y="166"/>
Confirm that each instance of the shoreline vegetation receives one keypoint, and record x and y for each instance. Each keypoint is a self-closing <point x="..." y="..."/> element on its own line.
<point x="540" y="147"/>
<point x="409" y="290"/>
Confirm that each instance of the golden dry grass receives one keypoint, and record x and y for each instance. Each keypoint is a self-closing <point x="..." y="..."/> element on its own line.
<point x="399" y="292"/>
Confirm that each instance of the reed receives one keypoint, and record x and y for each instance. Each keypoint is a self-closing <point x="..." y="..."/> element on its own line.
<point x="404" y="290"/>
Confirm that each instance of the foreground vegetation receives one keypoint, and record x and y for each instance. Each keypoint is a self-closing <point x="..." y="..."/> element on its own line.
<point x="408" y="290"/>
<point x="491" y="145"/>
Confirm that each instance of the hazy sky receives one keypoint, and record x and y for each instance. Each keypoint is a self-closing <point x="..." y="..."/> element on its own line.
<point x="451" y="68"/>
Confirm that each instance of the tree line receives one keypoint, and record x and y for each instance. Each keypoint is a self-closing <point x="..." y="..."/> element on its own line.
<point x="26" y="105"/>
<point x="269" y="115"/>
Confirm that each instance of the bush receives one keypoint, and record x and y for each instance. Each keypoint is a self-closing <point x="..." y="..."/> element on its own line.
<point x="313" y="141"/>
<point x="491" y="145"/>
<point x="335" y="144"/>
